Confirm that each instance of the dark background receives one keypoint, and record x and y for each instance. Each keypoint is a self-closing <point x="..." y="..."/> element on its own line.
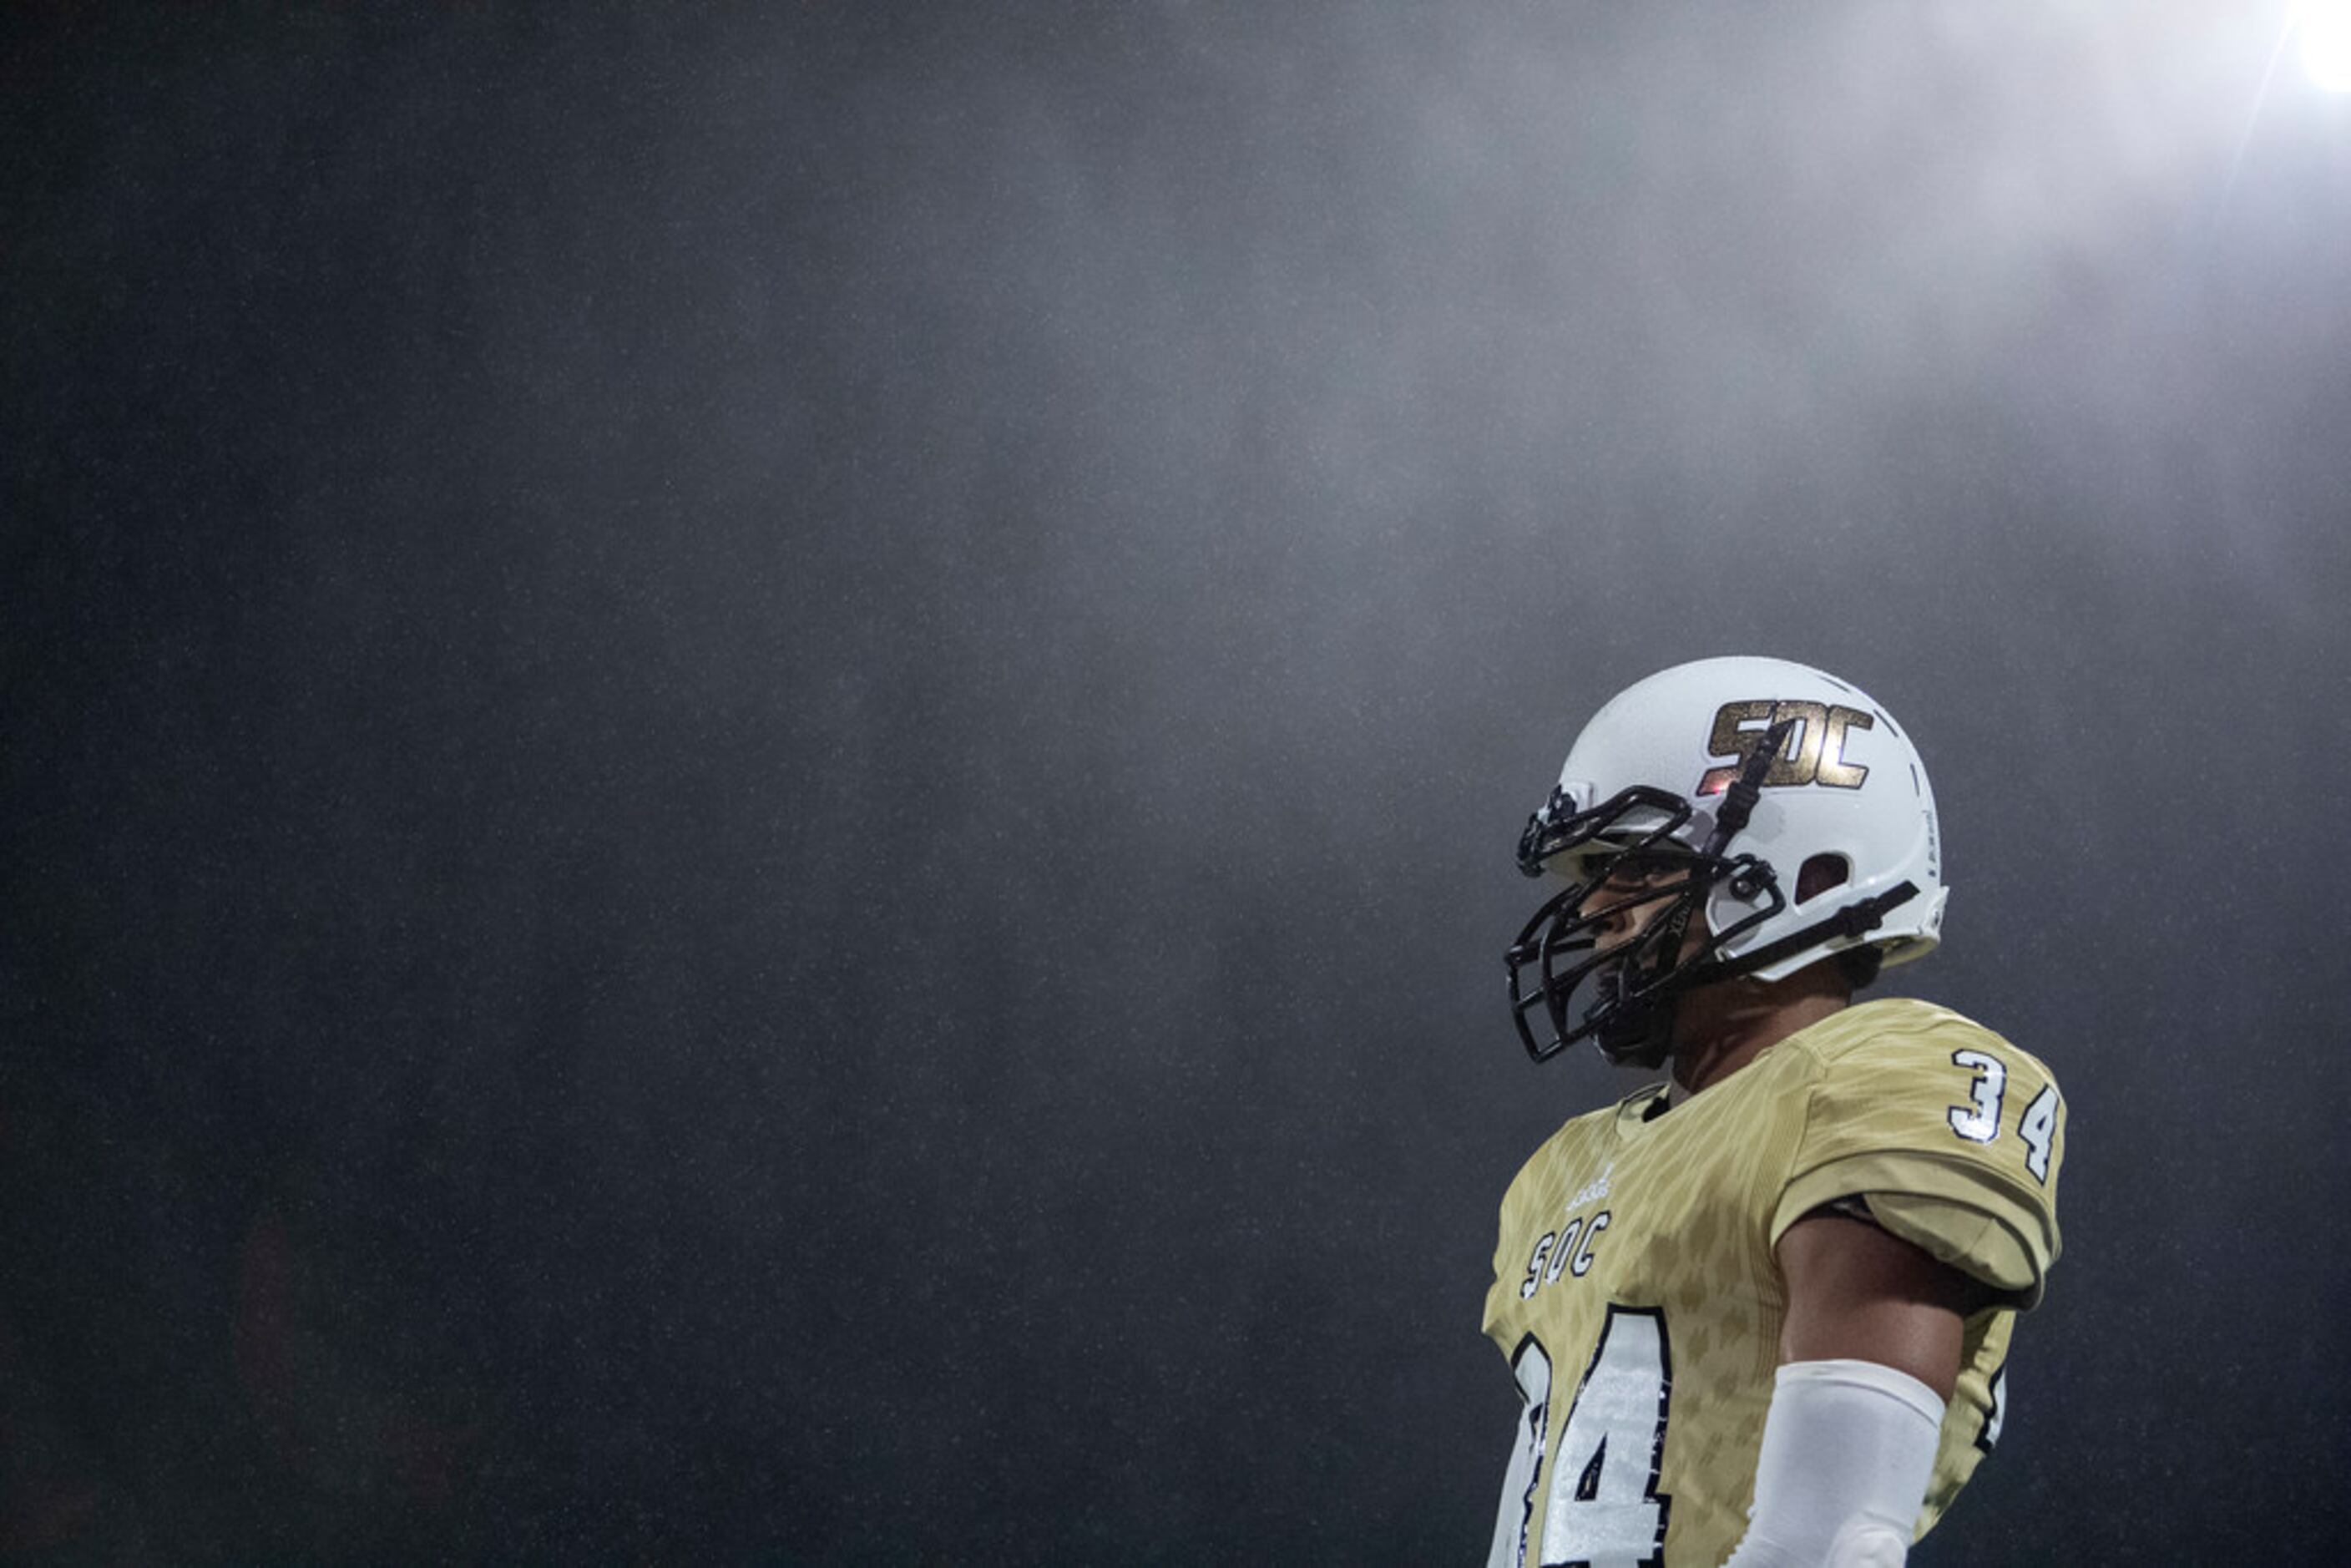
<point x="759" y="768"/>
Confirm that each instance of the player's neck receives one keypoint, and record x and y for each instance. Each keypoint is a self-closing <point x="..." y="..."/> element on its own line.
<point x="1726" y="1027"/>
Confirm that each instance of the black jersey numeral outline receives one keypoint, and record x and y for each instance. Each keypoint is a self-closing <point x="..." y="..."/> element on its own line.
<point x="1996" y="1412"/>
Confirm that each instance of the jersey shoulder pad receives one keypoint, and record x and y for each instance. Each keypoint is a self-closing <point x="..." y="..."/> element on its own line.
<point x="1952" y="1135"/>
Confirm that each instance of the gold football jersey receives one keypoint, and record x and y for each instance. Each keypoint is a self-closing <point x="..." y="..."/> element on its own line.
<point x="1636" y="1296"/>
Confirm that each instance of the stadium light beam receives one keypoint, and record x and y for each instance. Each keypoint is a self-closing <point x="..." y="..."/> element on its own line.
<point x="2326" y="29"/>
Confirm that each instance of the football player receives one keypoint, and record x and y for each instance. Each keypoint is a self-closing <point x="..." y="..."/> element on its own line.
<point x="1758" y="1312"/>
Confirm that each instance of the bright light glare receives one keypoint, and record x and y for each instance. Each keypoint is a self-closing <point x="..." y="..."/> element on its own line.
<point x="2326" y="29"/>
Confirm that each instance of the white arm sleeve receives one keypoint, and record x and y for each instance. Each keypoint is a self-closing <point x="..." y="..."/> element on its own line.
<point x="1848" y="1448"/>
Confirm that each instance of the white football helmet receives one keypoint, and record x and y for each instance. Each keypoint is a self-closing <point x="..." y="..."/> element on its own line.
<point x="1721" y="788"/>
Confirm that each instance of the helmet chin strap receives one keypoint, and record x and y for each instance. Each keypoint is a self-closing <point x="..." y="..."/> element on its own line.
<point x="1639" y="1036"/>
<point x="1638" y="1030"/>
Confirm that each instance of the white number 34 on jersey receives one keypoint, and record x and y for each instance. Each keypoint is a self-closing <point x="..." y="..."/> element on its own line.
<point x="1602" y="1505"/>
<point x="1978" y="1121"/>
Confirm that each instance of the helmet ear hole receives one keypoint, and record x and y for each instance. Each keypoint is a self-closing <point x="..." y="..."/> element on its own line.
<point x="1820" y="873"/>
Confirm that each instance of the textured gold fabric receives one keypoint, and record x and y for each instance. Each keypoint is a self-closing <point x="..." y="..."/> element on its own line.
<point x="1656" y="1234"/>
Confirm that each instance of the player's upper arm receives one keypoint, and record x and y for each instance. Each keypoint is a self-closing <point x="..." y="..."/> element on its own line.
<point x="1858" y="1292"/>
<point x="1953" y="1137"/>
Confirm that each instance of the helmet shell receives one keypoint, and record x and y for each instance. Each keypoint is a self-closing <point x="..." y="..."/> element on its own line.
<point x="1848" y="784"/>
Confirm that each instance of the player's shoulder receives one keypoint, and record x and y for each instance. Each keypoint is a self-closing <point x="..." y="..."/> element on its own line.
<point x="1892" y="1034"/>
<point x="1953" y="1137"/>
